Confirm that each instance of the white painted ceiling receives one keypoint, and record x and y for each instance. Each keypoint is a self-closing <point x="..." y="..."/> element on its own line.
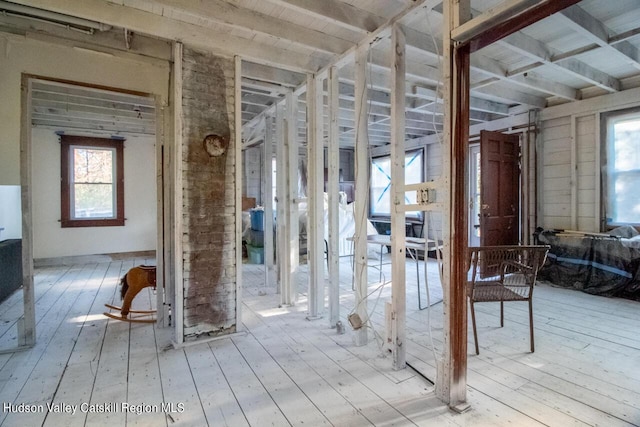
<point x="586" y="50"/>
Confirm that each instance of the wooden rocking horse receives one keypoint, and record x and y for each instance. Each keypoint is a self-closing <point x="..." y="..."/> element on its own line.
<point x="132" y="283"/>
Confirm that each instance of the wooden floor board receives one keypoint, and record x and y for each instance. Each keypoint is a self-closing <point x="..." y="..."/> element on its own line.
<point x="257" y="405"/>
<point x="286" y="370"/>
<point x="217" y="399"/>
<point x="329" y="401"/>
<point x="290" y="398"/>
<point x="178" y="385"/>
<point x="36" y="373"/>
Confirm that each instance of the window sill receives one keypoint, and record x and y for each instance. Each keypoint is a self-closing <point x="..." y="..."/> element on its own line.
<point x="74" y="223"/>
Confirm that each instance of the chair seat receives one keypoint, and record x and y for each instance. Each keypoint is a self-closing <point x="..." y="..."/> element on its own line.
<point x="495" y="291"/>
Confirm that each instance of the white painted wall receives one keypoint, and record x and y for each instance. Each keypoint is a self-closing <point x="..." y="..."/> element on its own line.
<point x="139" y="232"/>
<point x="252" y="163"/>
<point x="569" y="168"/>
<point x="19" y="54"/>
<point x="10" y="212"/>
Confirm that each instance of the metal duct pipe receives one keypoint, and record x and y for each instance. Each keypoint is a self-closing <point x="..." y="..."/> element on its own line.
<point x="29" y="11"/>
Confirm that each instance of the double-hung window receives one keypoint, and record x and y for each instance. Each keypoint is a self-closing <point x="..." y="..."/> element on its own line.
<point x="92" y="182"/>
<point x="380" y="202"/>
<point x="622" y="169"/>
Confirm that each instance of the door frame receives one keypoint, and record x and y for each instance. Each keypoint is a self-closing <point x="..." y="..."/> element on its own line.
<point x="27" y="324"/>
<point x="474" y="208"/>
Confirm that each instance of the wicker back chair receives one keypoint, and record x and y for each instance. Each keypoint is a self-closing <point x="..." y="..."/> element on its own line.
<point x="503" y="273"/>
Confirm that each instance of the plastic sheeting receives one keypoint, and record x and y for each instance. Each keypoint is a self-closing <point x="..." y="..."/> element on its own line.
<point x="598" y="265"/>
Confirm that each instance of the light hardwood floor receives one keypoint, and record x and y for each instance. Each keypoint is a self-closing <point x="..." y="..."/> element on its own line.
<point x="285" y="370"/>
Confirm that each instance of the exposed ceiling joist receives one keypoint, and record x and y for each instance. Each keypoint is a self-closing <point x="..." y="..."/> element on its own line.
<point x="232" y="16"/>
<point x="598" y="33"/>
<point x="507" y="94"/>
<point x="198" y="36"/>
<point x="337" y="12"/>
<point x="537" y="51"/>
<point x="476" y="104"/>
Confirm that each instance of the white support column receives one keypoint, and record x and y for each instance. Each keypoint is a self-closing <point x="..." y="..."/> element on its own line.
<point x="237" y="137"/>
<point x="398" y="242"/>
<point x="177" y="202"/>
<point x="27" y="323"/>
<point x="282" y="218"/>
<point x="315" y="197"/>
<point x="162" y="313"/>
<point x="573" y="183"/>
<point x="267" y="178"/>
<point x="362" y="191"/>
<point x="292" y="197"/>
<point x="332" y="188"/>
<point x="597" y="214"/>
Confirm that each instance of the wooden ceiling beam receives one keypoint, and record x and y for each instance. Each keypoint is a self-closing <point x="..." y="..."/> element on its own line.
<point x="476" y="104"/>
<point x="594" y="30"/>
<point x="272" y="75"/>
<point x="508" y="94"/>
<point x="507" y="18"/>
<point x="208" y="39"/>
<point x="534" y="49"/>
<point x="338" y="13"/>
<point x="232" y="16"/>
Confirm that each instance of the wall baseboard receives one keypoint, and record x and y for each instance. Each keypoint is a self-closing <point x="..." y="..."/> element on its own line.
<point x="91" y="259"/>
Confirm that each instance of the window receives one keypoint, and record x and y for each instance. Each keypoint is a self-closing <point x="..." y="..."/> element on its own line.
<point x="622" y="177"/>
<point x="92" y="182"/>
<point x="381" y="183"/>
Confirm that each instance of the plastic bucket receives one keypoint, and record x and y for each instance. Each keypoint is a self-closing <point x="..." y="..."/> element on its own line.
<point x="257" y="219"/>
<point x="256" y="255"/>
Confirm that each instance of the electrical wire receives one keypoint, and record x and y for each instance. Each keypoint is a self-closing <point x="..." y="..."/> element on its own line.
<point x="438" y="82"/>
<point x="429" y="214"/>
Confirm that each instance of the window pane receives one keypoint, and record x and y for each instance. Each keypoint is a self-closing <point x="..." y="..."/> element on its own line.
<point x="623" y="171"/>
<point x="381" y="182"/>
<point x="624" y="199"/>
<point x="380" y="186"/>
<point x="412" y="175"/>
<point x="627" y="145"/>
<point x="92" y="193"/>
<point x="93" y="165"/>
<point x="93" y="201"/>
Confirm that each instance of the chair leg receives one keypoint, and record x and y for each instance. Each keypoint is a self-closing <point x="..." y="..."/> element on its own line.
<point x="501" y="314"/>
<point x="531" y="324"/>
<point x="473" y="322"/>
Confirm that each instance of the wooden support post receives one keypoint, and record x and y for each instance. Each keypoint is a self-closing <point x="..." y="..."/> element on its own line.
<point x="398" y="242"/>
<point x="525" y="196"/>
<point x="573" y="183"/>
<point x="315" y="197"/>
<point x="177" y="201"/>
<point x="451" y="384"/>
<point x="362" y="191"/>
<point x="282" y="222"/>
<point x="237" y="138"/>
<point x="162" y="316"/>
<point x="333" y="153"/>
<point x="291" y="125"/>
<point x="599" y="141"/>
<point x="267" y="201"/>
<point x="168" y="178"/>
<point x="26" y="325"/>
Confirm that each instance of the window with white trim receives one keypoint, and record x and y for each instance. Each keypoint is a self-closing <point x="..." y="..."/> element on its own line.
<point x="621" y="177"/>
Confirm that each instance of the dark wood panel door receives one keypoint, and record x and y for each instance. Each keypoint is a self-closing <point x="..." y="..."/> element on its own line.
<point x="499" y="189"/>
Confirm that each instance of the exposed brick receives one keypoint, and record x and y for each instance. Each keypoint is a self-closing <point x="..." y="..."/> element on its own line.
<point x="209" y="269"/>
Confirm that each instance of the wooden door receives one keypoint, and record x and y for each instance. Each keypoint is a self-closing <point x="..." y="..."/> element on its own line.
<point x="499" y="189"/>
